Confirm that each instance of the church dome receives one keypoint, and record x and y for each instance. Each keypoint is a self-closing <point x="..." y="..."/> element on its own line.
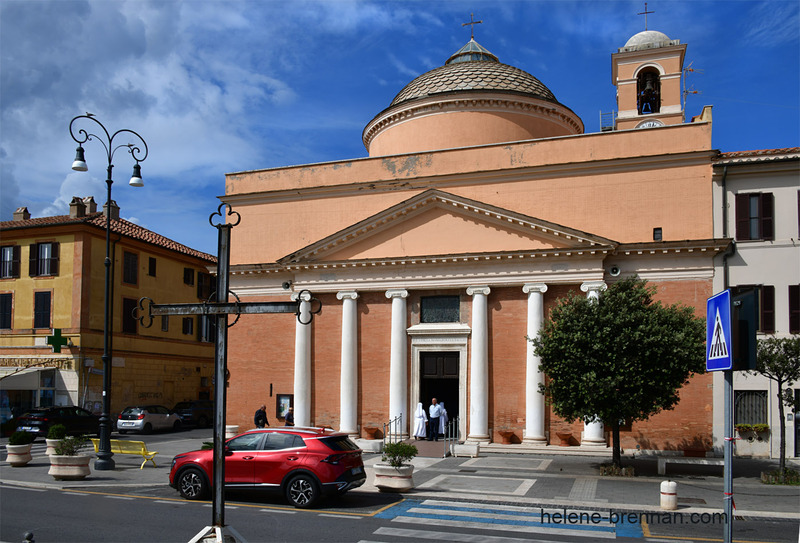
<point x="474" y="76"/>
<point x="474" y="99"/>
<point x="649" y="39"/>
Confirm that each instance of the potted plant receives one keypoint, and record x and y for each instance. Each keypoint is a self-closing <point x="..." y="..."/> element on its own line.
<point x="394" y="474"/>
<point x="19" y="448"/>
<point x="67" y="464"/>
<point x="56" y="433"/>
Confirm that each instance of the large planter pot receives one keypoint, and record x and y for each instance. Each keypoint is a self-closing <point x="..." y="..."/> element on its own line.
<point x="69" y="468"/>
<point x="19" y="455"/>
<point x="51" y="446"/>
<point x="391" y="479"/>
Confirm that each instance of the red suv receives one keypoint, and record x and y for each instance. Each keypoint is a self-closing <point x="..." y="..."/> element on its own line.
<point x="303" y="463"/>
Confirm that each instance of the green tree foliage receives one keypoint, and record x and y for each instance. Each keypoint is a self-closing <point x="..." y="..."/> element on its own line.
<point x="779" y="360"/>
<point x="620" y="357"/>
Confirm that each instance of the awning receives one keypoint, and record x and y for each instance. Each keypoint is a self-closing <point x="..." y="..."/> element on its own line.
<point x="15" y="378"/>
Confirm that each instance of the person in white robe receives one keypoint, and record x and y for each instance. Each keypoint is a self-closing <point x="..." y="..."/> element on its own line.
<point x="443" y="420"/>
<point x="420" y="422"/>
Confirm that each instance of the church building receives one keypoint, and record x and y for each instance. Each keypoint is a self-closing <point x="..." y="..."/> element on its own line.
<point x="481" y="203"/>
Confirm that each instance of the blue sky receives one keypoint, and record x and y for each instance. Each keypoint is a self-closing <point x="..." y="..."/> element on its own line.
<point x="217" y="87"/>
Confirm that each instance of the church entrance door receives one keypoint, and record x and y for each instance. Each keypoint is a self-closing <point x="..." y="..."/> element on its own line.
<point x="439" y="374"/>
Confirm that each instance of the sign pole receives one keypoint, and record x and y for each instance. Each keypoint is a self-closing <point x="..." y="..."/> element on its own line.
<point x="727" y="485"/>
<point x="719" y="357"/>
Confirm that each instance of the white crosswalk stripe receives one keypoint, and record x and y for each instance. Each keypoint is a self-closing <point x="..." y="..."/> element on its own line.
<point x="420" y="535"/>
<point x="572" y="523"/>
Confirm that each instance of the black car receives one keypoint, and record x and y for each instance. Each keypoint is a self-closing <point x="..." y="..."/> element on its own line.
<point x="78" y="421"/>
<point x="198" y="413"/>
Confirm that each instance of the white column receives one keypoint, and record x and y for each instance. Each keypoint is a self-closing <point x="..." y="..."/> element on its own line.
<point x="593" y="432"/>
<point x="479" y="367"/>
<point x="398" y="362"/>
<point x="534" y="399"/>
<point x="348" y="387"/>
<point x="302" y="363"/>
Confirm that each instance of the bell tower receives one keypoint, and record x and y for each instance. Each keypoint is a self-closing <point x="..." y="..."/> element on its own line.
<point x="647" y="73"/>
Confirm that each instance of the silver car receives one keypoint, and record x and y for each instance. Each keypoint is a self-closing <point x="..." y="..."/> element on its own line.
<point x="146" y="418"/>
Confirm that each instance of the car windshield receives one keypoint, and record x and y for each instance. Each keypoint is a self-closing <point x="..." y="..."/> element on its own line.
<point x="182" y="405"/>
<point x="340" y="443"/>
<point x="131" y="410"/>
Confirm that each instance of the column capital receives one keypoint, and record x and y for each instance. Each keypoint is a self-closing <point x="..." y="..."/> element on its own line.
<point x="527" y="288"/>
<point x="306" y="296"/>
<point x="397" y="293"/>
<point x="481" y="289"/>
<point x="593" y="286"/>
<point x="348" y="294"/>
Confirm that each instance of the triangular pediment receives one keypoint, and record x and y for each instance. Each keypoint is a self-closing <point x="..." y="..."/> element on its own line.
<point x="439" y="223"/>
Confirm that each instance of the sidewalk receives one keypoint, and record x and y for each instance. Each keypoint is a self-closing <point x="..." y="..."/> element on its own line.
<point x="549" y="479"/>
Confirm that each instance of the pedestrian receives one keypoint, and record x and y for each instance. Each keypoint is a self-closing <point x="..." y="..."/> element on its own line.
<point x="435" y="411"/>
<point x="289" y="418"/>
<point x="420" y="422"/>
<point x="443" y="419"/>
<point x="260" y="417"/>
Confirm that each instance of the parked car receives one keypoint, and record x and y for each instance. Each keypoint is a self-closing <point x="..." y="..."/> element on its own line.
<point x="302" y="463"/>
<point x="146" y="418"/>
<point x="198" y="413"/>
<point x="78" y="421"/>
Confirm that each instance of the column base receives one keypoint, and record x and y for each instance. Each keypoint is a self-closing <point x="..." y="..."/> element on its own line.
<point x="593" y="442"/>
<point x="535" y="441"/>
<point x="479" y="438"/>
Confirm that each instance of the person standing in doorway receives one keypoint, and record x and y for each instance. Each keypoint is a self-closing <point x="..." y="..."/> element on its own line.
<point x="260" y="418"/>
<point x="420" y="422"/>
<point x="435" y="411"/>
<point x="443" y="419"/>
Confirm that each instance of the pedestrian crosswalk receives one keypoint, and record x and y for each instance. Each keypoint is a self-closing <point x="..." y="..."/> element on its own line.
<point x="475" y="519"/>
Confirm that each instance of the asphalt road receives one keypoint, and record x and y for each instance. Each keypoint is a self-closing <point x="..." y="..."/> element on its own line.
<point x="152" y="511"/>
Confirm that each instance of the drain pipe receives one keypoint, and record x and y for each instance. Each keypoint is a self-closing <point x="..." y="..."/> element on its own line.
<point x="731" y="250"/>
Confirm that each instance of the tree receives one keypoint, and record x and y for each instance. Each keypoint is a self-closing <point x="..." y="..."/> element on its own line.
<point x="779" y="359"/>
<point x="620" y="357"/>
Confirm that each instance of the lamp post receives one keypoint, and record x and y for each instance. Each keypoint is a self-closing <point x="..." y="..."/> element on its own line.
<point x="104" y="455"/>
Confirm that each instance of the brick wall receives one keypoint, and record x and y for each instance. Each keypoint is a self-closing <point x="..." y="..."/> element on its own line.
<point x="261" y="353"/>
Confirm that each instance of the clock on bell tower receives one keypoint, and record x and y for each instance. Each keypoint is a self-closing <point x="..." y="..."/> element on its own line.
<point x="647" y="72"/>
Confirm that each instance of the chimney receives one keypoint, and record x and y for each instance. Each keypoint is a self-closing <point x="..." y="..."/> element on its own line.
<point x="91" y="205"/>
<point x="77" y="208"/>
<point x="114" y="210"/>
<point x="22" y="214"/>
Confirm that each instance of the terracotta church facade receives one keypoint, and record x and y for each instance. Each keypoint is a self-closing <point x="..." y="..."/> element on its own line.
<point x="482" y="202"/>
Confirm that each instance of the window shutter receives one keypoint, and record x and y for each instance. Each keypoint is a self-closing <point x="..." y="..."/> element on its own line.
<point x="768" y="309"/>
<point x="33" y="260"/>
<point x="794" y="309"/>
<point x="742" y="216"/>
<point x="54" y="259"/>
<point x="15" y="256"/>
<point x="766" y="207"/>
<point x="41" y="310"/>
<point x="5" y="311"/>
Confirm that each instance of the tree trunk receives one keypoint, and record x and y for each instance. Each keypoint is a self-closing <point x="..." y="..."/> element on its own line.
<point x="617" y="457"/>
<point x="782" y="462"/>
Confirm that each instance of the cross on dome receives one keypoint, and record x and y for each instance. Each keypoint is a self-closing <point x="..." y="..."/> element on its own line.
<point x="645" y="12"/>
<point x="472" y="22"/>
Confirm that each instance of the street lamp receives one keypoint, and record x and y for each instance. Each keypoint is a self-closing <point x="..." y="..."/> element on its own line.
<point x="104" y="455"/>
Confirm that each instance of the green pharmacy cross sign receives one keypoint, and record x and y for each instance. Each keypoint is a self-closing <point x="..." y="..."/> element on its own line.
<point x="57" y="340"/>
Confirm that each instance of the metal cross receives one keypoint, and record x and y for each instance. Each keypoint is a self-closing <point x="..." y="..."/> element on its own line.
<point x="57" y="340"/>
<point x="472" y="22"/>
<point x="305" y="308"/>
<point x="645" y="12"/>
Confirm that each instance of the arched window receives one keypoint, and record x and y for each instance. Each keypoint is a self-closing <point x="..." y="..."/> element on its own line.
<point x="648" y="91"/>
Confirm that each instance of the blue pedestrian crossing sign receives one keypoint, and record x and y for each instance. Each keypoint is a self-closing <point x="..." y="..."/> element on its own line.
<point x="719" y="344"/>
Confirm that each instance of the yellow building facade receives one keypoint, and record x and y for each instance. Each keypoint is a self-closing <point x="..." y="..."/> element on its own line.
<point x="52" y="280"/>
